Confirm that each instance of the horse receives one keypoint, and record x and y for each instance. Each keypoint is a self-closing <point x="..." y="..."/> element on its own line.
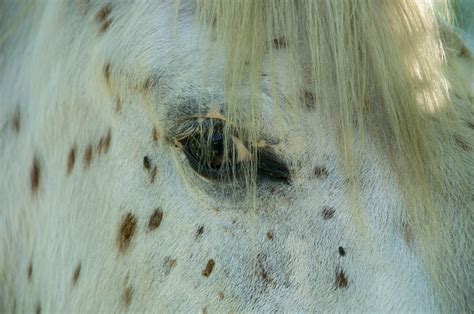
<point x="235" y="156"/>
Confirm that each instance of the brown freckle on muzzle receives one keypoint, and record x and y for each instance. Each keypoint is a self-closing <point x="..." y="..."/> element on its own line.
<point x="126" y="232"/>
<point x="270" y="235"/>
<point x="209" y="267"/>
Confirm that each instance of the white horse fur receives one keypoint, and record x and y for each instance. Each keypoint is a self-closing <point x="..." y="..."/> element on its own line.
<point x="101" y="211"/>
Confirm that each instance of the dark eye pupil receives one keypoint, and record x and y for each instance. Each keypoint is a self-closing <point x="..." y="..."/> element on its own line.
<point x="208" y="151"/>
<point x="216" y="150"/>
<point x="217" y="144"/>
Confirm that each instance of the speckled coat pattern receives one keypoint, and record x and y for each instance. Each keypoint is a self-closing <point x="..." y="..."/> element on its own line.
<point x="101" y="212"/>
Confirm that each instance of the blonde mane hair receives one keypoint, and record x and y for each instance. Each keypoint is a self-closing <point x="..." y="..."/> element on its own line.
<point x="378" y="71"/>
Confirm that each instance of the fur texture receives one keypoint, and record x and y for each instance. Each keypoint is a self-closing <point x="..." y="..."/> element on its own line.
<point x="364" y="107"/>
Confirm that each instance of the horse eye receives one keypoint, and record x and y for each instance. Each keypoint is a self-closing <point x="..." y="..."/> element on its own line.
<point x="213" y="156"/>
<point x="208" y="152"/>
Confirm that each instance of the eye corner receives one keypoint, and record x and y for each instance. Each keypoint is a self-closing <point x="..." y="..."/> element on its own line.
<point x="270" y="166"/>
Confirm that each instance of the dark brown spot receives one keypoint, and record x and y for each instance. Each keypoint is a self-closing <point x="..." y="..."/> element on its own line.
<point x="461" y="142"/>
<point x="470" y="124"/>
<point x="265" y="277"/>
<point x="146" y="163"/>
<point x="105" y="26"/>
<point x="341" y="279"/>
<point x="35" y="176"/>
<point x="30" y="271"/>
<point x="321" y="172"/>
<point x="168" y="264"/>
<point x="464" y="52"/>
<point x="279" y="42"/>
<point x="153" y="174"/>
<point x="309" y="99"/>
<point x="199" y="232"/>
<point x="106" y="71"/>
<point x="87" y="156"/>
<point x="341" y="250"/>
<point x="155" y="219"/>
<point x="328" y="213"/>
<point x="127" y="296"/>
<point x="220" y="295"/>
<point x="100" y="146"/>
<point x="16" y="122"/>
<point x="38" y="308"/>
<point x="126" y="232"/>
<point x="407" y="234"/>
<point x="118" y="105"/>
<point x="270" y="235"/>
<point x="209" y="267"/>
<point x="102" y="17"/>
<point x="148" y="84"/>
<point x="154" y="134"/>
<point x="71" y="159"/>
<point x="106" y="141"/>
<point x="262" y="271"/>
<point x="76" y="274"/>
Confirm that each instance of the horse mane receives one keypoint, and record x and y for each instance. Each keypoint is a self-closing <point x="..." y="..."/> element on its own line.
<point x="379" y="71"/>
